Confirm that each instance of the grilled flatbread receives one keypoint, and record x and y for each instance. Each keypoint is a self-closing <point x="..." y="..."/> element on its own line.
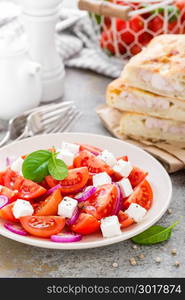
<point x="160" y="67"/>
<point x="142" y="126"/>
<point x="132" y="99"/>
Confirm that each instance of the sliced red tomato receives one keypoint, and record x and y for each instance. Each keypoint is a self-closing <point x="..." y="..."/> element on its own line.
<point x="116" y="176"/>
<point x="7" y="214"/>
<point x="125" y="158"/>
<point x="92" y="149"/>
<point x="101" y="203"/>
<point x="49" y="206"/>
<point x="12" y="195"/>
<point x="124" y="220"/>
<point x="76" y="180"/>
<point x="27" y="189"/>
<point x="9" y="178"/>
<point x="137" y="176"/>
<point x="86" y="224"/>
<point x="142" y="195"/>
<point x="42" y="226"/>
<point x="92" y="162"/>
<point x="2" y="178"/>
<point x="44" y="184"/>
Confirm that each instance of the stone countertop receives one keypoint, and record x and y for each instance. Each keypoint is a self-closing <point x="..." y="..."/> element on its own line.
<point x="18" y="260"/>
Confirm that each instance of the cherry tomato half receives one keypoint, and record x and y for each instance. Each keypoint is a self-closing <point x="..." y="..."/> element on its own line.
<point x="42" y="226"/>
<point x="76" y="180"/>
<point x="92" y="162"/>
<point x="49" y="206"/>
<point x="86" y="224"/>
<point x="142" y="195"/>
<point x="102" y="202"/>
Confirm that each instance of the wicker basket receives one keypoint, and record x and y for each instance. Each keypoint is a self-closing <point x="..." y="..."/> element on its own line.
<point x="135" y="23"/>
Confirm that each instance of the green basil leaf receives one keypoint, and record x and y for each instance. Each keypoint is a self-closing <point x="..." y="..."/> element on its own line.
<point x="35" y="166"/>
<point x="153" y="235"/>
<point x="57" y="168"/>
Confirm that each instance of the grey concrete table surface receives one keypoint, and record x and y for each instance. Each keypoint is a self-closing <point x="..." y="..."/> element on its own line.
<point x="18" y="260"/>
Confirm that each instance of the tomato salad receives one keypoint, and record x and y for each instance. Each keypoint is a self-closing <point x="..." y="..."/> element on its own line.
<point x="64" y="194"/>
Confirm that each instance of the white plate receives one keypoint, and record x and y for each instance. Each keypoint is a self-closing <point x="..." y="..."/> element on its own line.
<point x="157" y="177"/>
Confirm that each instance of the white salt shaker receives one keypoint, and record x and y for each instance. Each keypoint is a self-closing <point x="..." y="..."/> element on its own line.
<point x="40" y="19"/>
<point x="20" y="78"/>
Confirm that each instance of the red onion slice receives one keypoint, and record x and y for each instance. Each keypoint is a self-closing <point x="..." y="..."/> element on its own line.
<point x="117" y="205"/>
<point x="66" y="238"/>
<point x="10" y="160"/>
<point x="15" y="229"/>
<point x="50" y="191"/>
<point x="4" y="200"/>
<point x="74" y="217"/>
<point x="87" y="193"/>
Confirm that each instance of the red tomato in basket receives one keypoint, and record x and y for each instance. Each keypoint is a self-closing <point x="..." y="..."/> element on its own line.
<point x="135" y="49"/>
<point x="107" y="22"/>
<point x="142" y="195"/>
<point x="145" y="38"/>
<point x="180" y="4"/>
<point x="136" y="24"/>
<point x="120" y="25"/>
<point x="173" y="27"/>
<point x="106" y="42"/>
<point x="156" y="24"/>
<point x="127" y="37"/>
<point x="42" y="226"/>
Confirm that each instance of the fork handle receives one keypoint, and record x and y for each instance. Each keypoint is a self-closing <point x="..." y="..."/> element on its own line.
<point x="5" y="139"/>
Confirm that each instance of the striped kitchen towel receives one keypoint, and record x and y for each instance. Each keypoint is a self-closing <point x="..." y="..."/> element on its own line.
<point x="75" y="39"/>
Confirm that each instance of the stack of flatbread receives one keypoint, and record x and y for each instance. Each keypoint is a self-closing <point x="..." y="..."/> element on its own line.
<point x="151" y="92"/>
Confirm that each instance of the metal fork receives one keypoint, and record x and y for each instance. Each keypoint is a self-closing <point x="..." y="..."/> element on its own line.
<point x="17" y="124"/>
<point x="41" y="122"/>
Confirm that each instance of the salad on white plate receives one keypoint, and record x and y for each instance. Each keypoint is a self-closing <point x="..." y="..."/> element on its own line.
<point x="65" y="193"/>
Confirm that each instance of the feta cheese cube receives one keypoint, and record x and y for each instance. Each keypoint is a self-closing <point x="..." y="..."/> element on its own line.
<point x="67" y="207"/>
<point x="101" y="178"/>
<point x="110" y="226"/>
<point x="66" y="156"/>
<point x="126" y="187"/>
<point x="22" y="208"/>
<point x="136" y="212"/>
<point x="122" y="167"/>
<point x="108" y="158"/>
<point x="69" y="147"/>
<point x="17" y="165"/>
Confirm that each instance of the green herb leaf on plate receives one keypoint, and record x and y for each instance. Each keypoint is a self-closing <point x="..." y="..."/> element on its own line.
<point x="35" y="165"/>
<point x="153" y="235"/>
<point x="57" y="168"/>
